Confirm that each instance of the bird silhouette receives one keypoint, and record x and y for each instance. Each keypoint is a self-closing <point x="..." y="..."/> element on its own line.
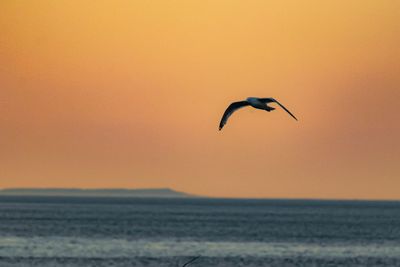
<point x="255" y="102"/>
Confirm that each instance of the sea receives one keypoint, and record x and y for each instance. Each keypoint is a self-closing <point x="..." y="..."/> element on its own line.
<point x="91" y="231"/>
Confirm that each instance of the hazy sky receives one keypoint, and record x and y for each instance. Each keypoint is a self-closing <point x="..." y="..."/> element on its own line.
<point x="130" y="94"/>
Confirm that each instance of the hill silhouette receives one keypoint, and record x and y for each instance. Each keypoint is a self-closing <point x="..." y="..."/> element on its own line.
<point x="102" y="192"/>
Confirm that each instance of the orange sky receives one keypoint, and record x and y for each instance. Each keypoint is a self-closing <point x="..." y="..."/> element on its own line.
<point x="130" y="93"/>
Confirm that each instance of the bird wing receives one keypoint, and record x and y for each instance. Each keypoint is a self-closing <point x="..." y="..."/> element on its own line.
<point x="270" y="100"/>
<point x="192" y="260"/>
<point x="228" y="112"/>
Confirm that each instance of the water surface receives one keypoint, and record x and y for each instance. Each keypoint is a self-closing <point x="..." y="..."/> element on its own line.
<point x="71" y="231"/>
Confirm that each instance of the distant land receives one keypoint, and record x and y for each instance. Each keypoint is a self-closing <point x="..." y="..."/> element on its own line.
<point x="151" y="192"/>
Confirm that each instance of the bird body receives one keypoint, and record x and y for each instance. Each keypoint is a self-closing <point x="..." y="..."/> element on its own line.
<point x="255" y="102"/>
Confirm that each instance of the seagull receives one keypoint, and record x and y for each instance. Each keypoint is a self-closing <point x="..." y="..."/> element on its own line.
<point x="255" y="102"/>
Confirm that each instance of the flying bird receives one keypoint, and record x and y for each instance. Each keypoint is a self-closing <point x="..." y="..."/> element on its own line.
<point x="255" y="102"/>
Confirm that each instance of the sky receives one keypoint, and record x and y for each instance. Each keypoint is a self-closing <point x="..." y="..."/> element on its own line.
<point x="129" y="94"/>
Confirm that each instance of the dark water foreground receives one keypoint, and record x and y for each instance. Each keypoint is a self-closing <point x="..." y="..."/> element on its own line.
<point x="60" y="231"/>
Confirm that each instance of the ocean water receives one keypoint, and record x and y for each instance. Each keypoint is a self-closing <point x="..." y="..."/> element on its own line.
<point x="62" y="231"/>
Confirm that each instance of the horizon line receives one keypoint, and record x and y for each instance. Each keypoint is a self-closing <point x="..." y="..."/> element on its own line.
<point x="194" y="195"/>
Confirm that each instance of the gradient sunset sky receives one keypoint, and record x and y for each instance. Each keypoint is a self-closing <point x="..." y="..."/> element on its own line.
<point x="129" y="94"/>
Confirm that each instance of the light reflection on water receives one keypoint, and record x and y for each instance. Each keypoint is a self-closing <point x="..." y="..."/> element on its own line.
<point x="103" y="248"/>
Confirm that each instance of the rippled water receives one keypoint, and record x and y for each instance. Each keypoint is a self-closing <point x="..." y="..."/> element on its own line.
<point x="59" y="231"/>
